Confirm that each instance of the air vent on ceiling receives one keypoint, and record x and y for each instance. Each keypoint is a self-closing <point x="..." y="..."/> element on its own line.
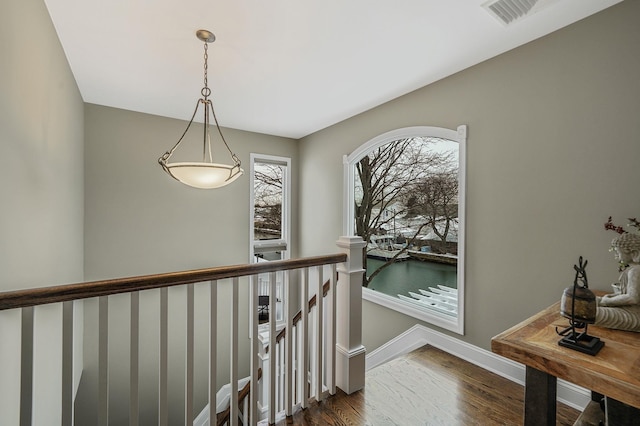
<point x="508" y="11"/>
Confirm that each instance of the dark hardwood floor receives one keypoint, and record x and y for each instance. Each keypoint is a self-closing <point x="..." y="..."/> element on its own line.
<point x="426" y="387"/>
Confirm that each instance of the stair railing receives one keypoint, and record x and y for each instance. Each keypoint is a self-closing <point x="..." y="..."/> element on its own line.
<point x="280" y="350"/>
<point x="279" y="353"/>
<point x="328" y="358"/>
<point x="321" y="350"/>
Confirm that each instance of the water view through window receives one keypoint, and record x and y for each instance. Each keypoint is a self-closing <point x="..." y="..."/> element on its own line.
<point x="406" y="208"/>
<point x="412" y="275"/>
<point x="405" y="196"/>
<point x="412" y="279"/>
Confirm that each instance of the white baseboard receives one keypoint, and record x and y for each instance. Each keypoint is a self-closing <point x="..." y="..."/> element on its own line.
<point x="418" y="336"/>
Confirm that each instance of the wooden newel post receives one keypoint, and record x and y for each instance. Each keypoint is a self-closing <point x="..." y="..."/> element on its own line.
<point x="350" y="354"/>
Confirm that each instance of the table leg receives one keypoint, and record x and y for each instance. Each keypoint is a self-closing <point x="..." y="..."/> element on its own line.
<point x="618" y="413"/>
<point x="539" y="398"/>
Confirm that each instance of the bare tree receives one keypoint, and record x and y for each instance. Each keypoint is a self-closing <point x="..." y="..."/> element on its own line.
<point x="268" y="179"/>
<point x="437" y="199"/>
<point x="387" y="178"/>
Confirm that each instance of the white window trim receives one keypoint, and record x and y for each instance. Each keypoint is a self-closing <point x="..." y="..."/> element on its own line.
<point x="459" y="135"/>
<point x="285" y="241"/>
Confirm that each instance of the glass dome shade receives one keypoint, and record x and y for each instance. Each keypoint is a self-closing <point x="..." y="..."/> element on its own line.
<point x="204" y="175"/>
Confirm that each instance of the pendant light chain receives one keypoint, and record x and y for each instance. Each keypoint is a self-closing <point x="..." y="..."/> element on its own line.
<point x="207" y="104"/>
<point x="206" y="92"/>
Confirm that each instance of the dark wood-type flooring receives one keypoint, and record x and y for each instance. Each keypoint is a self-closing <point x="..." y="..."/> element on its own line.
<point x="426" y="387"/>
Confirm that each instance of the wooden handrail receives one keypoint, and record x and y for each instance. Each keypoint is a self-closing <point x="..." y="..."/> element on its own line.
<point x="63" y="293"/>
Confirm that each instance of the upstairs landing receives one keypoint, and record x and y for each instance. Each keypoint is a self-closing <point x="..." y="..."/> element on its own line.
<point x="427" y="387"/>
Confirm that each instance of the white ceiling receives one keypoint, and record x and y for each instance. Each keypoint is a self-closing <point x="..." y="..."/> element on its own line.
<point x="283" y="67"/>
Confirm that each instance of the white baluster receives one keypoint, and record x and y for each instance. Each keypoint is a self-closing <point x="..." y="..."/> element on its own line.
<point x="67" y="363"/>
<point x="272" y="348"/>
<point x="278" y="354"/>
<point x="255" y="361"/>
<point x="103" y="361"/>
<point x="319" y="334"/>
<point x="213" y="351"/>
<point x="134" y="358"/>
<point x="331" y="328"/>
<point x="297" y="347"/>
<point x="233" y="368"/>
<point x="26" y="375"/>
<point x="304" y="338"/>
<point x="188" y="389"/>
<point x="312" y="353"/>
<point x="288" y="363"/>
<point x="281" y="378"/>
<point x="163" y="394"/>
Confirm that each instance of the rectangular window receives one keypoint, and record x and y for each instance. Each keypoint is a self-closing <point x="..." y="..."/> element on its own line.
<point x="270" y="223"/>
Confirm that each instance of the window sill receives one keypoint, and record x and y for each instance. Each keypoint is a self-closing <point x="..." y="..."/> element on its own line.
<point x="447" y="322"/>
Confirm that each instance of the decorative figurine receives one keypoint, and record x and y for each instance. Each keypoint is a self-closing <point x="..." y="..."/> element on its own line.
<point x="578" y="304"/>
<point x="621" y="309"/>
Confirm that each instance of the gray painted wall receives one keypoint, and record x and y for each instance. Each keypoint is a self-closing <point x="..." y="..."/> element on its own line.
<point x="553" y="150"/>
<point x="41" y="186"/>
<point x="141" y="221"/>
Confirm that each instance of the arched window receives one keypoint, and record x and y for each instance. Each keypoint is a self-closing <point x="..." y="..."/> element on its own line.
<point x="404" y="194"/>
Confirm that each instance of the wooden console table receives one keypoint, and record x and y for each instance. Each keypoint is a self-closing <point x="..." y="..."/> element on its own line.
<point x="613" y="372"/>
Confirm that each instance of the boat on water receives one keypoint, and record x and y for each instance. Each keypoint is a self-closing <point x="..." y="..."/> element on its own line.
<point x="383" y="247"/>
<point x="449" y="259"/>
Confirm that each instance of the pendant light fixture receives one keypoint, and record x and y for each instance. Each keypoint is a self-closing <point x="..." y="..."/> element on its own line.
<point x="205" y="174"/>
